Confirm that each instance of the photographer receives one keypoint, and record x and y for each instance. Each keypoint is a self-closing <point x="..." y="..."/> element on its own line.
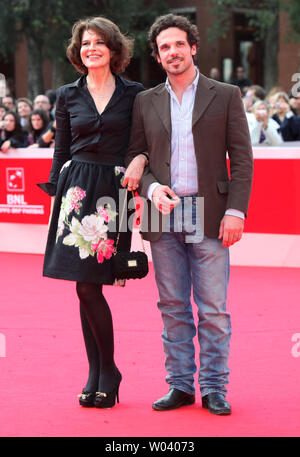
<point x="289" y="122"/>
<point x="263" y="129"/>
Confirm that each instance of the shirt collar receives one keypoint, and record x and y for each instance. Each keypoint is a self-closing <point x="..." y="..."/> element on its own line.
<point x="81" y="82"/>
<point x="194" y="84"/>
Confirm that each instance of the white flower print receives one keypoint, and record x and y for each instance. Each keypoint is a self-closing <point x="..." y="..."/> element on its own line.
<point x="93" y="228"/>
<point x="119" y="170"/>
<point x="65" y="165"/>
<point x="89" y="235"/>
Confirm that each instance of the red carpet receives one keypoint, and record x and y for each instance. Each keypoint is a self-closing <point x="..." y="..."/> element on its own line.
<point x="44" y="366"/>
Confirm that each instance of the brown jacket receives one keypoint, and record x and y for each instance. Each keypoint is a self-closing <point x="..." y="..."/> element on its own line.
<point x="219" y="125"/>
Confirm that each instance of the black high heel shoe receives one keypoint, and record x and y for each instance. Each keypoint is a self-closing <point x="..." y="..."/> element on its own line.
<point x="87" y="399"/>
<point x="108" y="400"/>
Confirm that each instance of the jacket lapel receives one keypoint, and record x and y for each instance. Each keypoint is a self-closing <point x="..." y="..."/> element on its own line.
<point x="161" y="103"/>
<point x="204" y="96"/>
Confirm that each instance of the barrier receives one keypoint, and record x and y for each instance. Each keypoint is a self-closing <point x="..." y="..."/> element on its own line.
<point x="21" y="201"/>
<point x="272" y="229"/>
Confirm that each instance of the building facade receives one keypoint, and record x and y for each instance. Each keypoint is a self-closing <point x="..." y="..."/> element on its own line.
<point x="238" y="48"/>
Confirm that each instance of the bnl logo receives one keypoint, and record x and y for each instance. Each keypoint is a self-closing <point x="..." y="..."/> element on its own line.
<point x="15" y="180"/>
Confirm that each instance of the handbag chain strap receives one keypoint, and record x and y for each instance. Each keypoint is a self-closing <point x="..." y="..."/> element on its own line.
<point x="121" y="222"/>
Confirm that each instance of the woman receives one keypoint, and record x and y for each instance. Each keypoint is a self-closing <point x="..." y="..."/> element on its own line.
<point x="263" y="129"/>
<point x="93" y="117"/>
<point x="38" y="122"/>
<point x="284" y="116"/>
<point x="12" y="135"/>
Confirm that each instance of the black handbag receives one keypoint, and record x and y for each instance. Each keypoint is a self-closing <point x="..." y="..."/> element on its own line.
<point x="129" y="264"/>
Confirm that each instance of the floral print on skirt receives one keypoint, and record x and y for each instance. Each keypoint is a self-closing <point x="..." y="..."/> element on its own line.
<point x="84" y="223"/>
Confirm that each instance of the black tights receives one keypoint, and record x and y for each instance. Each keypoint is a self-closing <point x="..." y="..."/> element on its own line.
<point x="97" y="327"/>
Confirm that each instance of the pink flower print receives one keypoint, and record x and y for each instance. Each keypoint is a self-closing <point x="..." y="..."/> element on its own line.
<point x="104" y="249"/>
<point x="73" y="197"/>
<point x="103" y="213"/>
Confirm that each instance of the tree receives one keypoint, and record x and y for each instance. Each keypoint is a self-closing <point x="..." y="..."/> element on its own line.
<point x="264" y="16"/>
<point x="38" y="23"/>
<point x="292" y="7"/>
<point x="46" y="27"/>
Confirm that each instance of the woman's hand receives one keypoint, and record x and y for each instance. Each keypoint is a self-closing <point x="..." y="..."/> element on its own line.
<point x="6" y="146"/>
<point x="262" y="116"/>
<point x="134" y="172"/>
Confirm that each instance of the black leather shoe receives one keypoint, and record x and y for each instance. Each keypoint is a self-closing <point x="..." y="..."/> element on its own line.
<point x="216" y="404"/>
<point x="86" y="399"/>
<point x="174" y="399"/>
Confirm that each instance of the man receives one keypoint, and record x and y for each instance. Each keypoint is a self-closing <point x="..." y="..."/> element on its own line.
<point x="42" y="102"/>
<point x="9" y="102"/>
<point x="183" y="128"/>
<point x="295" y="102"/>
<point x="214" y="74"/>
<point x="241" y="80"/>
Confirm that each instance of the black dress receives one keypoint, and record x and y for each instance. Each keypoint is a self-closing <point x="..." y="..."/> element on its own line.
<point x="86" y="174"/>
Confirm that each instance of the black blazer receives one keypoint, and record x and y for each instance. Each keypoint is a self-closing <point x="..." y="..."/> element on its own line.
<point x="80" y="127"/>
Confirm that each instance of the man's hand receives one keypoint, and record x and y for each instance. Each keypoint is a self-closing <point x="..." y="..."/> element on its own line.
<point x="134" y="172"/>
<point x="231" y="230"/>
<point x="262" y="116"/>
<point x="165" y="199"/>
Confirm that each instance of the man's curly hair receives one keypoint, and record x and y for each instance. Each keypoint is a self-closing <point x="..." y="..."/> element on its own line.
<point x="172" y="20"/>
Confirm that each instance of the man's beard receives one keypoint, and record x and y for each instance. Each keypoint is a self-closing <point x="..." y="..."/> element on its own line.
<point x="176" y="69"/>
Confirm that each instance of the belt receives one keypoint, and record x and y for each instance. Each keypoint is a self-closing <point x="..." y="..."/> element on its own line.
<point x="105" y="159"/>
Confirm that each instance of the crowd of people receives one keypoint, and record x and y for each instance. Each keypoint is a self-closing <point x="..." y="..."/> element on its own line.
<point x="25" y="123"/>
<point x="273" y="117"/>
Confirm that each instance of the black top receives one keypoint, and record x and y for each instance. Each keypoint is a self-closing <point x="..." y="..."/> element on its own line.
<point x="289" y="127"/>
<point x="35" y="136"/>
<point x="81" y="129"/>
<point x="241" y="83"/>
<point x="17" y="139"/>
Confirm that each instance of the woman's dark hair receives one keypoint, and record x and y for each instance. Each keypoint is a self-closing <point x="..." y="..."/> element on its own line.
<point x="18" y="127"/>
<point x="43" y="115"/>
<point x="51" y="94"/>
<point x="3" y="106"/>
<point x="172" y="20"/>
<point x="120" y="46"/>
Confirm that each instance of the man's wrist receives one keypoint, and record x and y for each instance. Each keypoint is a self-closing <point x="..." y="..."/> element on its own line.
<point x="235" y="212"/>
<point x="151" y="189"/>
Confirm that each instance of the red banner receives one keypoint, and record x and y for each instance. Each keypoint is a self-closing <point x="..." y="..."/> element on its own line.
<point x="274" y="204"/>
<point x="21" y="200"/>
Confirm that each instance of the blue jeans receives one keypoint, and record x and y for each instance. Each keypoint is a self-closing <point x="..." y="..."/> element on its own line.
<point x="180" y="265"/>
